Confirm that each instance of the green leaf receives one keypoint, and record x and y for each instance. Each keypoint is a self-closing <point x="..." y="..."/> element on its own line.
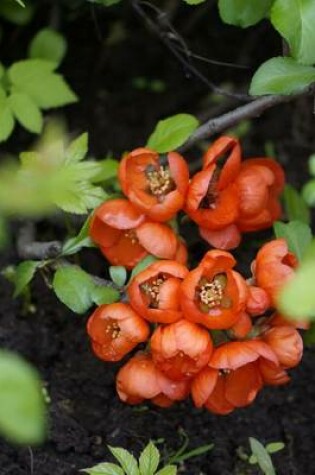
<point x="308" y="192"/>
<point x="105" y="3"/>
<point x="194" y="453"/>
<point x="295" y="19"/>
<point x="244" y="13"/>
<point x="75" y="244"/>
<point x="104" y="469"/>
<point x="295" y="206"/>
<point x="6" y="118"/>
<point x="281" y="76"/>
<point x="108" y="170"/>
<point x="126" y="460"/>
<point x="171" y="133"/>
<point x="14" y="13"/>
<point x="297" y="234"/>
<point x="48" y="44"/>
<point x="149" y="460"/>
<point x="22" y="407"/>
<point x="168" y="470"/>
<point x="74" y="288"/>
<point x="297" y="299"/>
<point x="274" y="447"/>
<point x="26" y="112"/>
<point x="311" y="164"/>
<point x="263" y="458"/>
<point x="194" y="2"/>
<point x="24" y="273"/>
<point x="21" y="3"/>
<point x="36" y="78"/>
<point x="104" y="295"/>
<point x="78" y="149"/>
<point x="118" y="274"/>
<point x="143" y="264"/>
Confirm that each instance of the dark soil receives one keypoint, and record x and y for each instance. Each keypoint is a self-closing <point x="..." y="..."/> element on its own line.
<point x="85" y="413"/>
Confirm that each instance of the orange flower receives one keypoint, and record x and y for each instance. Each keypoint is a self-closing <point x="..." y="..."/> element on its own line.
<point x="235" y="354"/>
<point x="242" y="327"/>
<point x="181" y="349"/>
<point x="260" y="183"/>
<point x="272" y="374"/>
<point x="155" y="188"/>
<point x="125" y="237"/>
<point x="223" y="391"/>
<point x="154" y="292"/>
<point x="213" y="294"/>
<point x="258" y="301"/>
<point x="212" y="200"/>
<point x="140" y="380"/>
<point x="273" y="267"/>
<point x="286" y="343"/>
<point x="115" y="330"/>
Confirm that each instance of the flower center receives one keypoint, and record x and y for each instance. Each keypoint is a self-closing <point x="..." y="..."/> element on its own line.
<point x="132" y="236"/>
<point x="151" y="289"/>
<point x="211" y="293"/>
<point x="112" y="329"/>
<point x="159" y="180"/>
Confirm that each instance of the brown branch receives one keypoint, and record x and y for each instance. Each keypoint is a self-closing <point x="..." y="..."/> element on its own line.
<point x="253" y="109"/>
<point x="29" y="248"/>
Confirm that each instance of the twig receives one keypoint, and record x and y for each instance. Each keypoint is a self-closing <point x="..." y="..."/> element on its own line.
<point x="176" y="44"/>
<point x="29" y="248"/>
<point x="247" y="111"/>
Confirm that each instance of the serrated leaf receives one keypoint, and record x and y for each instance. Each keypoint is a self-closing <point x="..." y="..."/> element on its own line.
<point x="274" y="447"/>
<point x="49" y="45"/>
<point x="6" y="119"/>
<point x="78" y="149"/>
<point x="126" y="460"/>
<point x="24" y="273"/>
<point x="102" y="295"/>
<point x="295" y="19"/>
<point x="149" y="460"/>
<point x="74" y="288"/>
<point x="168" y="470"/>
<point x="243" y="13"/>
<point x="295" y="206"/>
<point x="104" y="469"/>
<point x="172" y="132"/>
<point x="281" y="76"/>
<point x="26" y="112"/>
<point x="297" y="299"/>
<point x="75" y="244"/>
<point x="297" y="234"/>
<point x="36" y="78"/>
<point x="143" y="264"/>
<point x="118" y="274"/>
<point x="263" y="458"/>
<point x="22" y="407"/>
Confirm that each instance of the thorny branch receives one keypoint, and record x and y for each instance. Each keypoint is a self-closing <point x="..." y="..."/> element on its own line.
<point x="253" y="109"/>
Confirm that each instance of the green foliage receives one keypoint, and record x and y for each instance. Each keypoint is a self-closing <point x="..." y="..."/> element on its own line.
<point x="78" y="291"/>
<point x="118" y="274"/>
<point x="261" y="457"/>
<point x="295" y="19"/>
<point x="281" y="76"/>
<point x="55" y="175"/>
<point x="22" y="407"/>
<point x="30" y="85"/>
<point x="48" y="45"/>
<point x="23" y="275"/>
<point x="105" y="3"/>
<point x="308" y="191"/>
<point x="194" y="2"/>
<point x="297" y="234"/>
<point x="172" y="132"/>
<point x="128" y="465"/>
<point x="295" y="206"/>
<point x="244" y="13"/>
<point x="142" y="265"/>
<point x="11" y="11"/>
<point x="75" y="244"/>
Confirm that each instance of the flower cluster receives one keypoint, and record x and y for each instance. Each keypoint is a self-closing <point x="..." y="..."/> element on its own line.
<point x="207" y="332"/>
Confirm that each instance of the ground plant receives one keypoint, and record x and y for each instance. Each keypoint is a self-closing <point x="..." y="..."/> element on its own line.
<point x="157" y="253"/>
